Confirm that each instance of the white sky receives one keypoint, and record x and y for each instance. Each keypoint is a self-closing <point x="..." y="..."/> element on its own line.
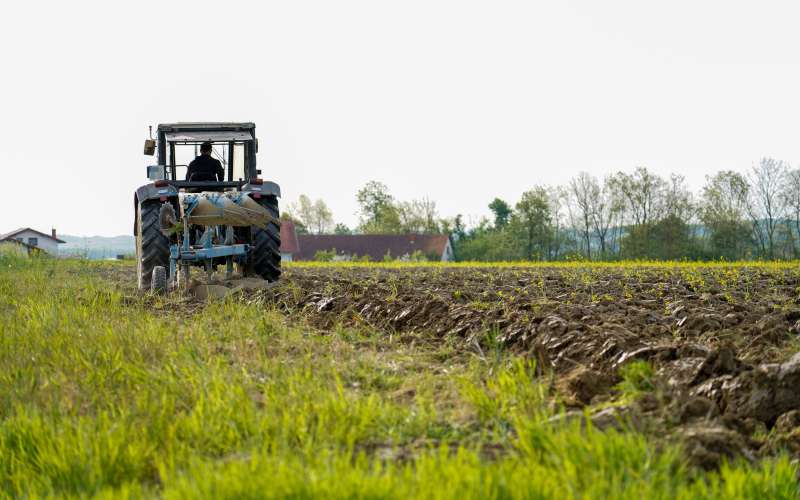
<point x="459" y="101"/>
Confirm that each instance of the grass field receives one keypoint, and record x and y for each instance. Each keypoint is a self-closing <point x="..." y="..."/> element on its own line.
<point x="108" y="393"/>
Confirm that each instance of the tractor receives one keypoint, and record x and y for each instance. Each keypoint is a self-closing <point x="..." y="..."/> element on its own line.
<point x="180" y="223"/>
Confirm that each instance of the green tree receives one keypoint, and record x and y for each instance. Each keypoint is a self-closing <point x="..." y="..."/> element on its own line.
<point x="768" y="203"/>
<point x="560" y="240"/>
<point x="667" y="239"/>
<point x="678" y="200"/>
<point x="532" y="222"/>
<point x="386" y="221"/>
<point x="453" y="226"/>
<point x="299" y="227"/>
<point x="642" y="194"/>
<point x="723" y="212"/>
<point x="418" y="216"/>
<point x="342" y="229"/>
<point x="373" y="201"/>
<point x="583" y="190"/>
<point x="459" y="229"/>
<point x="502" y="212"/>
<point x="377" y="210"/>
<point x="606" y="209"/>
<point x="485" y="243"/>
<point x="792" y="199"/>
<point x="658" y="214"/>
<point x="315" y="215"/>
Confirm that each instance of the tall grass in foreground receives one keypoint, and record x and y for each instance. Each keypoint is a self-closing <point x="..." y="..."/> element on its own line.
<point x="107" y="395"/>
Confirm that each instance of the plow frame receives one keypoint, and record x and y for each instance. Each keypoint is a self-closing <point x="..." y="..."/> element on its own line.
<point x="183" y="254"/>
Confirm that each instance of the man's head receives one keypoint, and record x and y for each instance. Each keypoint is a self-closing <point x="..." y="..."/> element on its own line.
<point x="205" y="148"/>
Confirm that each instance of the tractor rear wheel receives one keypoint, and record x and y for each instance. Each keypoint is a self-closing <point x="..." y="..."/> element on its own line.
<point x="152" y="246"/>
<point x="265" y="251"/>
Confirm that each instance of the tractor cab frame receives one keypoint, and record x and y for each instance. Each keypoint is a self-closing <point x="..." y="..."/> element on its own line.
<point x="234" y="144"/>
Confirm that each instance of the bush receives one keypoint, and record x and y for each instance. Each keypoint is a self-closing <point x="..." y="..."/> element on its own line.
<point x="325" y="255"/>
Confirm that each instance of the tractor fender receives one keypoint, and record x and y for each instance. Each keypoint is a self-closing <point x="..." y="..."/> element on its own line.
<point x="268" y="188"/>
<point x="151" y="192"/>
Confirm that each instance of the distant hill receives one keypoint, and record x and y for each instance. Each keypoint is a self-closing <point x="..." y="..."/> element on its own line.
<point x="97" y="247"/>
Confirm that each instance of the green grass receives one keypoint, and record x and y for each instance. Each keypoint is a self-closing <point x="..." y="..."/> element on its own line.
<point x="103" y="393"/>
<point x="637" y="379"/>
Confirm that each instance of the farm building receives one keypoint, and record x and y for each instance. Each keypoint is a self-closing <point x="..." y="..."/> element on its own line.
<point x="433" y="247"/>
<point x="289" y="245"/>
<point x="33" y="238"/>
<point x="16" y="247"/>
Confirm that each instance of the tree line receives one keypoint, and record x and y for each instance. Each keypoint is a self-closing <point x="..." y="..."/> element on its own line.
<point x="625" y="215"/>
<point x="379" y="213"/>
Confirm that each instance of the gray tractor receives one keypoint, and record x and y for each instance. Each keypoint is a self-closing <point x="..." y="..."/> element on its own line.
<point x="180" y="223"/>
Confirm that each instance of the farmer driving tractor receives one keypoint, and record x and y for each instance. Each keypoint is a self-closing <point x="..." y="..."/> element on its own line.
<point x="204" y="167"/>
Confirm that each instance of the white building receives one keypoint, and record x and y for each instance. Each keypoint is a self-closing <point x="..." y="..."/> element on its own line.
<point x="46" y="242"/>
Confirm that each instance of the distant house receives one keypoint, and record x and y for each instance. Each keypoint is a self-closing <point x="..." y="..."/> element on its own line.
<point x="289" y="245"/>
<point x="17" y="247"/>
<point x="434" y="247"/>
<point x="33" y="238"/>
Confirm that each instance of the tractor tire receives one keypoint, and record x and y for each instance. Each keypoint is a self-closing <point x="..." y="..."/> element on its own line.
<point x="265" y="252"/>
<point x="158" y="283"/>
<point x="152" y="246"/>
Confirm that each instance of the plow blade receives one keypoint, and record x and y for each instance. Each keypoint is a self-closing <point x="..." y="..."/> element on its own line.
<point x="224" y="209"/>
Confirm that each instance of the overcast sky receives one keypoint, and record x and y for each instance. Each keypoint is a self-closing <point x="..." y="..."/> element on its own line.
<point x="458" y="101"/>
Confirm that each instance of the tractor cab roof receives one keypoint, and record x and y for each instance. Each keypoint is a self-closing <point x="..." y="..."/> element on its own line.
<point x="209" y="126"/>
<point x="194" y="132"/>
<point x="201" y="136"/>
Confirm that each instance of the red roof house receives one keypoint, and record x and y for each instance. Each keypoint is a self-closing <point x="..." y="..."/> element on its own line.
<point x="289" y="245"/>
<point x="434" y="247"/>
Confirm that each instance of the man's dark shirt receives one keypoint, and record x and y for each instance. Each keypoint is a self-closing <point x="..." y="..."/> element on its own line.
<point x="205" y="168"/>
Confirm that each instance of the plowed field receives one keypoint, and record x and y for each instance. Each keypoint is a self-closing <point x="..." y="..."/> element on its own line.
<point x="721" y="340"/>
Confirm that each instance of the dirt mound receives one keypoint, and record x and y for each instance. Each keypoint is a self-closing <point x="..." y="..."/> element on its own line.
<point x="763" y="393"/>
